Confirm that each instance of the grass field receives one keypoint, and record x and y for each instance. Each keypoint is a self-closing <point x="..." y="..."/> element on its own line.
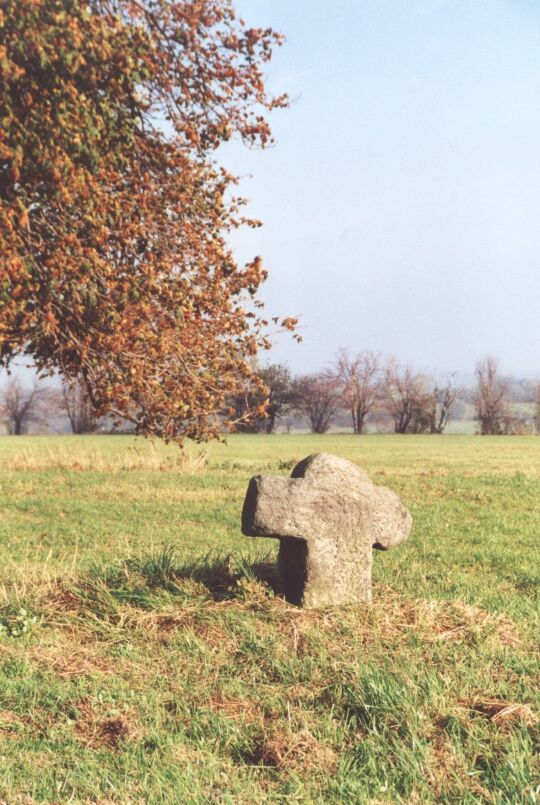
<point x="145" y="658"/>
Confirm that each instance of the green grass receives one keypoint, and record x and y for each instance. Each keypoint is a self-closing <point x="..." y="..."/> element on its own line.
<point x="144" y="657"/>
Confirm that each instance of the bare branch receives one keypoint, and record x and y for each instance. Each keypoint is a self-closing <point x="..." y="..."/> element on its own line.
<point x="20" y="405"/>
<point x="358" y="380"/>
<point x="491" y="397"/>
<point x="317" y="397"/>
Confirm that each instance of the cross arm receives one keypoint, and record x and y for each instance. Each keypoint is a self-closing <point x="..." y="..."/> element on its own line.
<point x="277" y="507"/>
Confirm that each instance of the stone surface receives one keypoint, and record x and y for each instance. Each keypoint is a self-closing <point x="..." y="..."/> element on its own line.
<point x="328" y="516"/>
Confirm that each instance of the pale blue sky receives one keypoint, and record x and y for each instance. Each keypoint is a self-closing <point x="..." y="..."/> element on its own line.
<point x="402" y="201"/>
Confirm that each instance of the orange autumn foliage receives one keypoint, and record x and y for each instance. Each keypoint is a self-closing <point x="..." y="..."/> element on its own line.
<point x="114" y="214"/>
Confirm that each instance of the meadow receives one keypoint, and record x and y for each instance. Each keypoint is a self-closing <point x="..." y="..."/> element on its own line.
<point x="144" y="657"/>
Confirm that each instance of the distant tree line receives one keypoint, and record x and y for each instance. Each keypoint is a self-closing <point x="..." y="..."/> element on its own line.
<point x="23" y="406"/>
<point x="371" y="391"/>
<point x="380" y="392"/>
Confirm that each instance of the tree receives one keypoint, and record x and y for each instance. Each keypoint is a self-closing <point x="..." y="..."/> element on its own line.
<point x="114" y="214"/>
<point x="245" y="411"/>
<point x="316" y="397"/>
<point x="20" y="406"/>
<point x="442" y="398"/>
<point x="536" y="415"/>
<point x="278" y="381"/>
<point x="74" y="401"/>
<point x="491" y="397"/>
<point x="358" y="380"/>
<point x="416" y="402"/>
<point x="407" y="399"/>
<point x="257" y="406"/>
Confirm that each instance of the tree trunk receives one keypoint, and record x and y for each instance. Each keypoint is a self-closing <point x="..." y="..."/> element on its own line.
<point x="271" y="423"/>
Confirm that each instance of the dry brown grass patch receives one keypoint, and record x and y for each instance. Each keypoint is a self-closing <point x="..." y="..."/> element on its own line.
<point x="147" y="459"/>
<point x="447" y="766"/>
<point x="239" y="709"/>
<point x="11" y="723"/>
<point x="95" y="731"/>
<point x="501" y="712"/>
<point x="71" y="660"/>
<point x="390" y="618"/>
<point x="215" y="635"/>
<point x="460" y="619"/>
<point x="299" y="752"/>
<point x="436" y="620"/>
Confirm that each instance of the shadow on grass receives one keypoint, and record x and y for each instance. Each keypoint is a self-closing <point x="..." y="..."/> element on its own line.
<point x="221" y="576"/>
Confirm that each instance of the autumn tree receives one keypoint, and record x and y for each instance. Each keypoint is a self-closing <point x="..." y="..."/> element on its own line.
<point x="20" y="405"/>
<point x="490" y="398"/>
<point x="358" y="381"/>
<point x="245" y="410"/>
<point x="114" y="213"/>
<point x="317" y="398"/>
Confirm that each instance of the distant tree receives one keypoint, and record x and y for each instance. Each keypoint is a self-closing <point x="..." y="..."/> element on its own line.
<point x="317" y="398"/>
<point x="521" y="390"/>
<point x="491" y="397"/>
<point x="440" y="401"/>
<point x="246" y="410"/>
<point x="517" y="425"/>
<point x="358" y="383"/>
<point x="258" y="404"/>
<point x="20" y="405"/>
<point x="536" y="415"/>
<point x="278" y="381"/>
<point x="75" y="403"/>
<point x="406" y="397"/>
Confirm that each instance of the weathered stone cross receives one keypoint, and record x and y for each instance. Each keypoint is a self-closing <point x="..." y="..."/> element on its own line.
<point x="328" y="515"/>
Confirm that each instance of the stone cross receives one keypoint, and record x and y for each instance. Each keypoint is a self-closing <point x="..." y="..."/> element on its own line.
<point x="327" y="516"/>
